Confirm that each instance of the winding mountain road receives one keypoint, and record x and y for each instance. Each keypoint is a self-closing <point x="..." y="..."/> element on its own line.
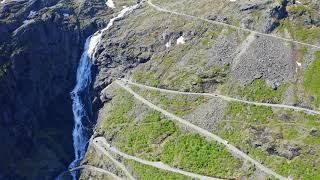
<point x="201" y="131"/>
<point x="117" y="163"/>
<point x="226" y="98"/>
<point x="88" y="167"/>
<point x="162" y="9"/>
<point x="93" y="168"/>
<point x="100" y="141"/>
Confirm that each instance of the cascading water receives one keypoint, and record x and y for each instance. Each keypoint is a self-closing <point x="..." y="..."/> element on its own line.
<point x="80" y="138"/>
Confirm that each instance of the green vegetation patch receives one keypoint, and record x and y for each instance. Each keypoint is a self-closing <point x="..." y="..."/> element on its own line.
<point x="300" y="31"/>
<point x="153" y="137"/>
<point x="239" y="115"/>
<point x="297" y="8"/>
<point x="256" y="14"/>
<point x="311" y="80"/>
<point x="193" y="153"/>
<point x="179" y="104"/>
<point x="252" y="114"/>
<point x="141" y="136"/>
<point x="147" y="78"/>
<point x="122" y="103"/>
<point x="273" y="136"/>
<point x="258" y="91"/>
<point x="158" y="139"/>
<point x="301" y="53"/>
<point x="145" y="172"/>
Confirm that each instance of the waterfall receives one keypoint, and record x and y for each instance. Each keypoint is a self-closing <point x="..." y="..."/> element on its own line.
<point x="80" y="138"/>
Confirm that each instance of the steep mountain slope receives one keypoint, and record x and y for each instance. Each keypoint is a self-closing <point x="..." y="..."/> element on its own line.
<point x="187" y="50"/>
<point x="257" y="51"/>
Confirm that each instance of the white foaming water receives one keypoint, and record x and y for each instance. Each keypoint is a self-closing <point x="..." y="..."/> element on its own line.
<point x="80" y="138"/>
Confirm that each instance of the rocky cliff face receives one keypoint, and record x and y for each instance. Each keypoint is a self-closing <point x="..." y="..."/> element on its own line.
<point x="41" y="43"/>
<point x="34" y="90"/>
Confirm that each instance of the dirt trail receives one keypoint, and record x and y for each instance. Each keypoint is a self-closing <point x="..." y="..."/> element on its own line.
<point x="226" y="98"/>
<point x="161" y="9"/>
<point x="201" y="131"/>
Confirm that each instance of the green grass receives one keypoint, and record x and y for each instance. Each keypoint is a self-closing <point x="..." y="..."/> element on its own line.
<point x="205" y="41"/>
<point x="252" y="113"/>
<point x="123" y="103"/>
<point x="307" y="33"/>
<point x="297" y="8"/>
<point x="239" y="115"/>
<point x="260" y="91"/>
<point x="299" y="167"/>
<point x="244" y="124"/>
<point x="155" y="138"/>
<point x="145" y="172"/>
<point x="193" y="153"/>
<point x="311" y="80"/>
<point x="159" y="140"/>
<point x="256" y="14"/>
<point x="299" y="31"/>
<point x="302" y="52"/>
<point x="179" y="104"/>
<point x="141" y="136"/>
<point x="148" y="78"/>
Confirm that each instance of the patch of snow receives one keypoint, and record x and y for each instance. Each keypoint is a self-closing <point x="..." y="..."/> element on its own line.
<point x="168" y="44"/>
<point x="110" y="4"/>
<point x="66" y="15"/>
<point x="298" y="2"/>
<point x="299" y="64"/>
<point x="233" y="0"/>
<point x="180" y="40"/>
